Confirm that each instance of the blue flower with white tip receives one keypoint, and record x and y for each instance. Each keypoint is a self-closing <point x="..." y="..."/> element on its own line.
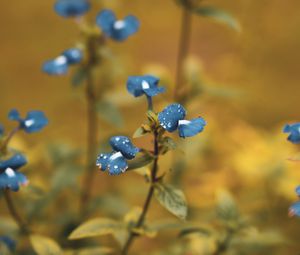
<point x="118" y="30"/>
<point x="33" y="122"/>
<point x="72" y="8"/>
<point x="116" y="161"/>
<point x="10" y="178"/>
<point x="294" y="132"/>
<point x="173" y="118"/>
<point x="144" y="85"/>
<point x="294" y="209"/>
<point x="60" y="64"/>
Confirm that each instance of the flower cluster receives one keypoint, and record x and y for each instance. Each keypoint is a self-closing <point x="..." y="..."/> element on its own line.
<point x="294" y="132"/>
<point x="116" y="161"/>
<point x="10" y="177"/>
<point x="72" y="8"/>
<point x="60" y="64"/>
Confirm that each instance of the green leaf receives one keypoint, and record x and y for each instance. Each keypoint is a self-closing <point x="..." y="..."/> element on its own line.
<point x="198" y="230"/>
<point x="110" y="113"/>
<point x="141" y="131"/>
<point x="218" y="15"/>
<point x="139" y="161"/>
<point x="44" y="245"/>
<point x="90" y="251"/>
<point x="172" y="199"/>
<point x="79" y="76"/>
<point x="95" y="227"/>
<point x="167" y="144"/>
<point x="226" y="208"/>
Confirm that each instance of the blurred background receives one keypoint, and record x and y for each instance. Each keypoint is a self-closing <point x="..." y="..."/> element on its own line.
<point x="250" y="80"/>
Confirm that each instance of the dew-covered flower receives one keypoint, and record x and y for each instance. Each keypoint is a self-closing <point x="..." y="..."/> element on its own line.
<point x="60" y="64"/>
<point x="118" y="30"/>
<point x="144" y="85"/>
<point x="116" y="161"/>
<point x="33" y="122"/>
<point x="10" y="178"/>
<point x="9" y="242"/>
<point x="173" y="118"/>
<point x="294" y="132"/>
<point x="71" y="8"/>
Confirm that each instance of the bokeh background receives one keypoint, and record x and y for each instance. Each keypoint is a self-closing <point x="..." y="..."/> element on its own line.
<point x="251" y="80"/>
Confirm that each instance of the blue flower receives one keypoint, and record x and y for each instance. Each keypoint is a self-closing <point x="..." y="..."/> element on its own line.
<point x="294" y="209"/>
<point x="144" y="85"/>
<point x="173" y="118"/>
<point x="1" y="130"/>
<point x="294" y="130"/>
<point x="118" y="30"/>
<point x="116" y="161"/>
<point x="71" y="8"/>
<point x="60" y="65"/>
<point x="297" y="190"/>
<point x="57" y="66"/>
<point x="10" y="178"/>
<point x="10" y="243"/>
<point x="34" y="121"/>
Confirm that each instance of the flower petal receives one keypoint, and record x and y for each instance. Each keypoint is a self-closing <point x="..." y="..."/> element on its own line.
<point x="57" y="66"/>
<point x="14" y="115"/>
<point x="105" y="20"/>
<point x="117" y="164"/>
<point x="73" y="55"/>
<point x="123" y="144"/>
<point x="188" y="128"/>
<point x="294" y="130"/>
<point x="15" y="162"/>
<point x="12" y="179"/>
<point x="295" y="209"/>
<point x="34" y="122"/>
<point x="170" y="116"/>
<point x="103" y="160"/>
<point x="71" y="8"/>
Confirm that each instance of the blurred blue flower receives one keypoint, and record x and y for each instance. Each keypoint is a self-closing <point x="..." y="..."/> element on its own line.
<point x="57" y="66"/>
<point x="10" y="178"/>
<point x="116" y="161"/>
<point x="34" y="121"/>
<point x="144" y="85"/>
<point x="15" y="162"/>
<point x="294" y="130"/>
<point x="297" y="190"/>
<point x="71" y="8"/>
<point x="60" y="65"/>
<point x="294" y="209"/>
<point x="1" y="130"/>
<point x="10" y="243"/>
<point x="173" y="118"/>
<point x="118" y="30"/>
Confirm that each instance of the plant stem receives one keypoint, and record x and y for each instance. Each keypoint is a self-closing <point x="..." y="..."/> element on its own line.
<point x="91" y="144"/>
<point x="14" y="213"/>
<point x="223" y="246"/>
<point x="142" y="217"/>
<point x="8" y="138"/>
<point x="185" y="34"/>
<point x="150" y="103"/>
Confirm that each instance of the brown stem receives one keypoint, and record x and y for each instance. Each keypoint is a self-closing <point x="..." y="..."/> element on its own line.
<point x="185" y="34"/>
<point x="223" y="246"/>
<point x="91" y="142"/>
<point x="8" y="138"/>
<point x="142" y="217"/>
<point x="14" y="213"/>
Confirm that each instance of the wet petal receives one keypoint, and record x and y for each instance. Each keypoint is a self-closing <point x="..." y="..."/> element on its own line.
<point x="12" y="179"/>
<point x="188" y="128"/>
<point x="123" y="144"/>
<point x="15" y="162"/>
<point x="14" y="115"/>
<point x="102" y="160"/>
<point x="295" y="209"/>
<point x="170" y="116"/>
<point x="71" y="8"/>
<point x="57" y="66"/>
<point x="294" y="130"/>
<point x="73" y="55"/>
<point x="117" y="164"/>
<point x="34" y="122"/>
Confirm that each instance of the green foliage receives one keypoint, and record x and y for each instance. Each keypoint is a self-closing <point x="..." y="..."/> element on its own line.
<point x="79" y="76"/>
<point x="110" y="113"/>
<point x="143" y="159"/>
<point x="218" y="15"/>
<point x="172" y="199"/>
<point x="90" y="251"/>
<point x="44" y="246"/>
<point x="144" y="129"/>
